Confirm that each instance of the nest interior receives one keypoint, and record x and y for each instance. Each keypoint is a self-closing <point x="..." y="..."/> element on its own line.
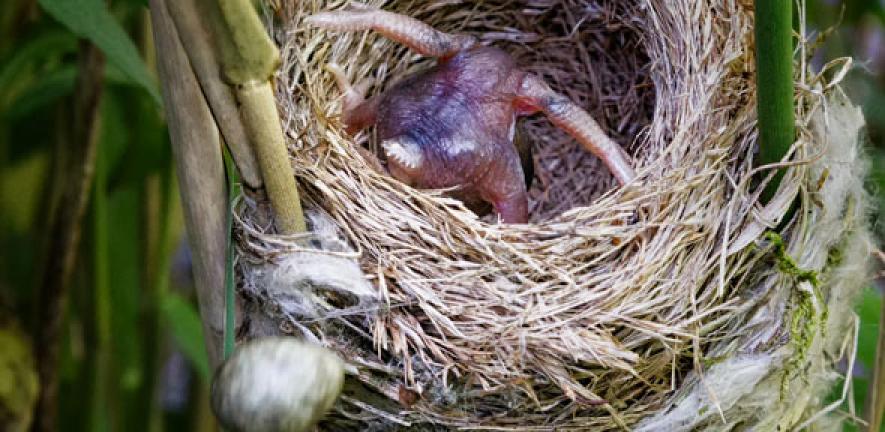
<point x="596" y="312"/>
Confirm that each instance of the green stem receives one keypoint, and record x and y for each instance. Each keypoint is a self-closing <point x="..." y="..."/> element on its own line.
<point x="248" y="60"/>
<point x="774" y="81"/>
<point x="263" y="125"/>
<point x="158" y="198"/>
<point x="99" y="415"/>
<point x="233" y="190"/>
<point x="876" y="393"/>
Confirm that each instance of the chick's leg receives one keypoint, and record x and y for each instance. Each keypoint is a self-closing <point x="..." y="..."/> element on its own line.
<point x="513" y="209"/>
<point x="357" y="112"/>
<point x="535" y="95"/>
<point x="504" y="187"/>
<point x="406" y="30"/>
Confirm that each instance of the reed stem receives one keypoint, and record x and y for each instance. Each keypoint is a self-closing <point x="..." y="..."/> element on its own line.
<point x="198" y="162"/>
<point x="876" y="394"/>
<point x="248" y="59"/>
<point x="774" y="81"/>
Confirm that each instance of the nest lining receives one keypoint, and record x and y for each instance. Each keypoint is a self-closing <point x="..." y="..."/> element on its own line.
<point x="593" y="314"/>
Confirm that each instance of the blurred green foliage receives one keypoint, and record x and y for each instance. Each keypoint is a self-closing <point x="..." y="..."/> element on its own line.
<point x="861" y="34"/>
<point x="131" y="319"/>
<point x="91" y="19"/>
<point x="128" y="318"/>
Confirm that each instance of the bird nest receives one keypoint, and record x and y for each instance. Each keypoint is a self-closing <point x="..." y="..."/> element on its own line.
<point x="674" y="302"/>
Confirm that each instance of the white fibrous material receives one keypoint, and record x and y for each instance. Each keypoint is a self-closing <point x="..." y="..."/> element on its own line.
<point x="319" y="281"/>
<point x="749" y="389"/>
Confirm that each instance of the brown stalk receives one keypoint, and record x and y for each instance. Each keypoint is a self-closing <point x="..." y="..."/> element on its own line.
<point x="197" y="153"/>
<point x="201" y="53"/>
<point x="64" y="233"/>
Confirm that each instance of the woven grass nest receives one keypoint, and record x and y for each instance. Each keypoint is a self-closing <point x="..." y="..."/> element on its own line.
<point x="674" y="303"/>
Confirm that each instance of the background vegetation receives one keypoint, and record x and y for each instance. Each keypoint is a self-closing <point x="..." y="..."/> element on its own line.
<point x="131" y="354"/>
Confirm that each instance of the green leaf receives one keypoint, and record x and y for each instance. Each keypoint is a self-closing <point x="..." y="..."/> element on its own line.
<point x="868" y="310"/>
<point x="48" y="89"/>
<point x="92" y="20"/>
<point x="18" y="71"/>
<point x="233" y="191"/>
<point x="125" y="231"/>
<point x="139" y="3"/>
<point x="146" y="150"/>
<point x="187" y="331"/>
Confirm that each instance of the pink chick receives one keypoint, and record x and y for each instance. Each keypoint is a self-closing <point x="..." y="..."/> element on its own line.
<point x="453" y="125"/>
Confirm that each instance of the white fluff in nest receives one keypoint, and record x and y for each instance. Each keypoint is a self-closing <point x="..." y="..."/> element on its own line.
<point x="315" y="283"/>
<point x="727" y="382"/>
<point x="746" y="389"/>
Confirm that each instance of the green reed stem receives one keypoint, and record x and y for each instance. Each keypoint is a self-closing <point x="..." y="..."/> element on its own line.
<point x="774" y="81"/>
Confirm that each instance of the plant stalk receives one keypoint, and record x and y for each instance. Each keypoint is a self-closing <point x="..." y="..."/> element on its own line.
<point x="774" y="82"/>
<point x="65" y="230"/>
<point x="263" y="124"/>
<point x="159" y="197"/>
<point x="876" y="394"/>
<point x="197" y="153"/>
<point x="99" y="414"/>
<point x="202" y="54"/>
<point x="233" y="190"/>
<point x="248" y="60"/>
